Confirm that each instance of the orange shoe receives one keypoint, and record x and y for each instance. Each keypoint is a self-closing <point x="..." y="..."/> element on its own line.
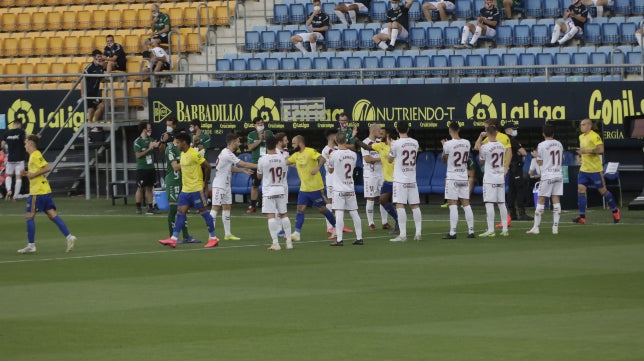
<point x="580" y="219"/>
<point x="617" y="216"/>
<point x="212" y="242"/>
<point x="333" y="236"/>
<point x="250" y="210"/>
<point x="346" y="230"/>
<point x="169" y="242"/>
<point x="330" y="230"/>
<point x="500" y="225"/>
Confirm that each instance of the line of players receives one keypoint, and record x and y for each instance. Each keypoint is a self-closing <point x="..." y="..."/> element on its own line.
<point x="389" y="175"/>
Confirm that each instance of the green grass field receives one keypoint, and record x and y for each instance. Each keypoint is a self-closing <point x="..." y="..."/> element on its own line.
<point x="121" y="296"/>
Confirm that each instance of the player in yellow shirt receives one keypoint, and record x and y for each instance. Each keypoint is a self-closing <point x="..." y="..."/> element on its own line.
<point x="40" y="198"/>
<point x="308" y="162"/>
<point x="195" y="172"/>
<point x="591" y="173"/>
<point x="386" y="191"/>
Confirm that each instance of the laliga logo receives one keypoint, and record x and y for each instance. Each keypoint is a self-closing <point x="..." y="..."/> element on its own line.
<point x="480" y="107"/>
<point x="22" y="110"/>
<point x="363" y="110"/>
<point x="266" y="109"/>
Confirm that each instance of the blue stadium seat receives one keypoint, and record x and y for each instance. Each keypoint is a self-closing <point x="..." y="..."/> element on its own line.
<point x="598" y="20"/>
<point x="388" y="62"/>
<point x="568" y="158"/>
<point x="328" y="9"/>
<point x="522" y="35"/>
<point x="378" y="11"/>
<point x="627" y="32"/>
<point x="256" y="64"/>
<point x="414" y="11"/>
<point x="398" y="81"/>
<point x="298" y="82"/>
<point x="240" y="183"/>
<point x="350" y="81"/>
<point x="435" y="37"/>
<point x="370" y="62"/>
<point x="592" y="33"/>
<point x="418" y="37"/>
<point x="634" y="58"/>
<point x="559" y="78"/>
<point x="533" y="8"/>
<point x="509" y="61"/>
<point x="474" y="61"/>
<point x="610" y="33"/>
<point x="464" y="9"/>
<point x="333" y="39"/>
<point x="486" y="80"/>
<point x="439" y="61"/>
<point x="504" y="79"/>
<point x="350" y="39"/>
<point x="366" y="81"/>
<point x="580" y="59"/>
<point x="438" y="176"/>
<point x="287" y="64"/>
<point x="540" y="34"/>
<point x="376" y="27"/>
<point x="337" y="63"/>
<point x="280" y="14"/>
<point x="239" y="65"/>
<point x="622" y="7"/>
<point x="562" y="59"/>
<point x="424" y="170"/>
<point x="445" y="52"/>
<point x="222" y="65"/>
<point x="354" y="62"/>
<point x="552" y="8"/>
<point x="404" y="61"/>
<point x="504" y="35"/>
<point x="268" y="40"/>
<point x="381" y="81"/>
<point x="521" y="79"/>
<point x="297" y="13"/>
<point x="253" y="42"/>
<point x="321" y="65"/>
<point x="249" y="82"/>
<point x="331" y="81"/>
<point x="293" y="180"/>
<point x="365" y="38"/>
<point x="305" y="64"/>
<point x="423" y="63"/>
<point x="271" y="64"/>
<point x="638" y="7"/>
<point x="457" y="61"/>
<point x="544" y="59"/>
<point x="527" y="60"/>
<point x="314" y="82"/>
<point x="492" y="60"/>
<point x="452" y="35"/>
<point x="416" y="81"/>
<point x="596" y="78"/>
<point x="284" y="40"/>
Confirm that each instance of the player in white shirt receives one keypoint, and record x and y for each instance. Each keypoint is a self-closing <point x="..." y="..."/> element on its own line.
<point x="456" y="152"/>
<point x="492" y="156"/>
<point x="404" y="152"/>
<point x="550" y="159"/>
<point x="221" y="192"/>
<point x="342" y="163"/>
<point x="272" y="171"/>
<point x="281" y="147"/>
<point x="328" y="179"/>
<point x="373" y="177"/>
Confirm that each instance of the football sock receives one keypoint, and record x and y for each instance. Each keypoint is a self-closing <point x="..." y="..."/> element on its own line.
<point x="610" y="200"/>
<point x="581" y="203"/>
<point x="31" y="230"/>
<point x="418" y="219"/>
<point x="477" y="34"/>
<point x="314" y="46"/>
<point x="352" y="16"/>
<point x="369" y="210"/>
<point x="300" y="46"/>
<point x="339" y="222"/>
<point x="357" y="223"/>
<point x="465" y="35"/>
<point x="556" y="32"/>
<point x="569" y="35"/>
<point x="341" y="17"/>
<point x="18" y="187"/>
<point x="453" y="218"/>
<point x="638" y="37"/>
<point x="299" y="221"/>
<point x="273" y="228"/>
<point x="489" y="212"/>
<point x="382" y="45"/>
<point x="210" y="223"/>
<point x="402" y="221"/>
<point x="178" y="224"/>
<point x="556" y="214"/>
<point x="394" y="36"/>
<point x="286" y="226"/>
<point x="538" y="212"/>
<point x="172" y="215"/>
<point x="213" y="214"/>
<point x="8" y="183"/>
<point x="503" y="212"/>
<point x="389" y="207"/>
<point x="225" y="219"/>
<point x="383" y="214"/>
<point x="329" y="215"/>
<point x="61" y="225"/>
<point x="469" y="218"/>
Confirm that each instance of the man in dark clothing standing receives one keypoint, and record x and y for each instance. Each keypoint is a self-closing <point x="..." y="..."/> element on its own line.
<point x="518" y="194"/>
<point x="13" y="143"/>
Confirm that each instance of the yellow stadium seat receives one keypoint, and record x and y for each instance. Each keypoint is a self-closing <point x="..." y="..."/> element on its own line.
<point x="130" y="18"/>
<point x="26" y="69"/>
<point x="40" y="69"/>
<point x="84" y="19"/>
<point x="7" y="3"/>
<point x="221" y="14"/>
<point x="206" y="12"/>
<point x="39" y="21"/>
<point x="57" y="68"/>
<point x="145" y="19"/>
<point x="192" y="43"/>
<point x="54" y="20"/>
<point x="70" y="45"/>
<point x="10" y="69"/>
<point x="23" y="21"/>
<point x="41" y="46"/>
<point x="69" y="20"/>
<point x="25" y="46"/>
<point x="99" y="19"/>
<point x="9" y="22"/>
<point x="56" y="45"/>
<point x="114" y="19"/>
<point x="74" y="69"/>
<point x="133" y="64"/>
<point x="190" y="16"/>
<point x="86" y="44"/>
<point x="131" y="43"/>
<point x="176" y="16"/>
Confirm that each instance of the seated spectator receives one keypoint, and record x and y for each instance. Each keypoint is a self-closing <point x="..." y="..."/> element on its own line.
<point x="397" y="25"/>
<point x="159" y="60"/>
<point x="489" y="17"/>
<point x="574" y="18"/>
<point x="319" y="23"/>
<point x="114" y="55"/>
<point x="638" y="36"/>
<point x="351" y="8"/>
<point x="508" y="5"/>
<point x="441" y="6"/>
<point x="160" y="27"/>
<point x="599" y="5"/>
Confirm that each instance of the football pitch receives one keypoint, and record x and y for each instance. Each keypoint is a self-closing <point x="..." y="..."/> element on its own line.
<point x="119" y="295"/>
